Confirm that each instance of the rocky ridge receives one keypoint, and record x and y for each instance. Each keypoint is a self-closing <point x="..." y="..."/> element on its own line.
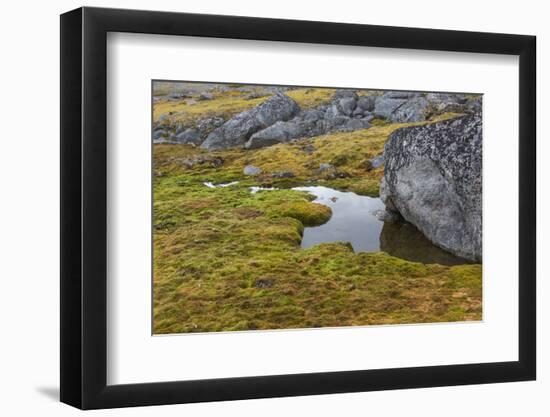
<point x="279" y="119"/>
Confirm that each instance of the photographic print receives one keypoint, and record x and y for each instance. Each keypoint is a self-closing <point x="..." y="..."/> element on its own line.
<point x="290" y="207"/>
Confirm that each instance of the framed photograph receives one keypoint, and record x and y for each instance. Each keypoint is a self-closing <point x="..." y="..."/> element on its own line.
<point x="259" y="208"/>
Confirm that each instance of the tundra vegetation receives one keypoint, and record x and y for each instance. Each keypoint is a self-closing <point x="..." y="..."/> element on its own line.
<point x="226" y="258"/>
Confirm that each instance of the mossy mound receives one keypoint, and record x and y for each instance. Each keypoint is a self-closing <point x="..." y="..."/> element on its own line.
<point x="310" y="214"/>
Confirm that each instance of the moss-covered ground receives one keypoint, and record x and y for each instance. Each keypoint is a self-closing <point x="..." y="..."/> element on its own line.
<point x="227" y="259"/>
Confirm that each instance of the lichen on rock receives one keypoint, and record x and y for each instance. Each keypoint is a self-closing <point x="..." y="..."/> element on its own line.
<point x="432" y="177"/>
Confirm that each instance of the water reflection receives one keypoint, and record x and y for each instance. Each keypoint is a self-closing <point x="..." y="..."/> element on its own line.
<point x="353" y="220"/>
<point x="405" y="241"/>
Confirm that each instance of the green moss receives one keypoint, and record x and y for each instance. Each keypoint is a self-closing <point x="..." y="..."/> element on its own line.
<point x="379" y="122"/>
<point x="311" y="97"/>
<point x="310" y="214"/>
<point x="225" y="105"/>
<point x="221" y="242"/>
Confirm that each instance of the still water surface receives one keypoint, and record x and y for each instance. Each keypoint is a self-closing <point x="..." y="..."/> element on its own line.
<point x="354" y="220"/>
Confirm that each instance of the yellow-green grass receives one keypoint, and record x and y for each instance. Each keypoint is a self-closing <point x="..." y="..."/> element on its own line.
<point x="311" y="97"/>
<point x="349" y="152"/>
<point x="226" y="259"/>
<point x="229" y="103"/>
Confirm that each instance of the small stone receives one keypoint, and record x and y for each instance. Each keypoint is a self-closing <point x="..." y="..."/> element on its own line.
<point x="264" y="283"/>
<point x="206" y="96"/>
<point x="283" y="174"/>
<point x="377" y="161"/>
<point x="336" y="174"/>
<point x="325" y="166"/>
<point x="251" y="170"/>
<point x="216" y="162"/>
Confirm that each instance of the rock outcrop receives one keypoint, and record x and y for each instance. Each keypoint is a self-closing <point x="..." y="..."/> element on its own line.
<point x="186" y="133"/>
<point x="401" y="107"/>
<point x="236" y="131"/>
<point x="188" y="136"/>
<point x="279" y="119"/>
<point x="432" y="177"/>
<point x="345" y="112"/>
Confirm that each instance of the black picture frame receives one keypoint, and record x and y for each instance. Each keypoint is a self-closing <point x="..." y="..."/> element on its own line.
<point x="84" y="207"/>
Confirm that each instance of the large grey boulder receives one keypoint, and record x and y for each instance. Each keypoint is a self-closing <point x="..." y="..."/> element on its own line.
<point x="331" y="123"/>
<point x="189" y="136"/>
<point x="344" y="113"/>
<point x="355" y="124"/>
<point x="459" y="103"/>
<point x="432" y="177"/>
<point x="279" y="132"/>
<point x="324" y="119"/>
<point x="405" y="107"/>
<point x="236" y="131"/>
<point x="343" y="103"/>
<point x="384" y="106"/>
<point x="312" y="115"/>
<point x="347" y="105"/>
<point x="158" y="134"/>
<point x="447" y="97"/>
<point x="413" y="110"/>
<point x="208" y="124"/>
<point x="343" y="93"/>
<point x="333" y="111"/>
<point x="366" y="103"/>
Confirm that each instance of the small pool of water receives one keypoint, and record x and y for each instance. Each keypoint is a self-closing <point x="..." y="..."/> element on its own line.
<point x="353" y="220"/>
